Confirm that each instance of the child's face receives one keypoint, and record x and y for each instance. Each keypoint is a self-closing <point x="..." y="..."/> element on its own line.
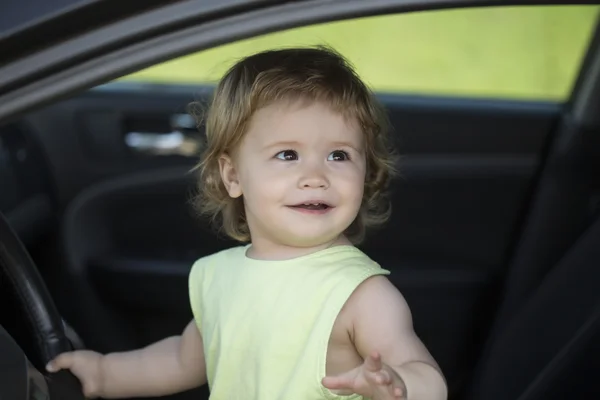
<point x="301" y="172"/>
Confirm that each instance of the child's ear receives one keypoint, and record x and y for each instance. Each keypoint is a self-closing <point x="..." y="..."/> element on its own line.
<point x="229" y="176"/>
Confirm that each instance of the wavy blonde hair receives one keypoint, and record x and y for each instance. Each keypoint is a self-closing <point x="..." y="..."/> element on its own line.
<point x="305" y="74"/>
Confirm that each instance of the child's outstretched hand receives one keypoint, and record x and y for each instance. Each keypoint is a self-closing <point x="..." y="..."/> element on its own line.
<point x="373" y="379"/>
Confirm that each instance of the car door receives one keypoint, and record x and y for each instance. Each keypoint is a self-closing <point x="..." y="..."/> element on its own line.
<point x="473" y="96"/>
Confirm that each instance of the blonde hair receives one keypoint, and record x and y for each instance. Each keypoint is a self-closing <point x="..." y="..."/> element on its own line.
<point x="306" y="74"/>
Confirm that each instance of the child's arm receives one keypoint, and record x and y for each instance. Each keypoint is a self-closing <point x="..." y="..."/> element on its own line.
<point x="397" y="364"/>
<point x="169" y="366"/>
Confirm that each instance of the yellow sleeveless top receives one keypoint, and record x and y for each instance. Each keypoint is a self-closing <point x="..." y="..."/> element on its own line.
<point x="266" y="325"/>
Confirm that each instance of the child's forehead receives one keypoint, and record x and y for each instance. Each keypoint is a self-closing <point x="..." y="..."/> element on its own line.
<point x="312" y="125"/>
<point x="292" y="116"/>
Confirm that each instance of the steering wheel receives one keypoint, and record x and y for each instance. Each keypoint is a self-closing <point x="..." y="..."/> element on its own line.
<point x="36" y="325"/>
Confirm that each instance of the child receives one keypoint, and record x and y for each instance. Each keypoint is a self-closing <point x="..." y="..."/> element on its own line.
<point x="296" y="164"/>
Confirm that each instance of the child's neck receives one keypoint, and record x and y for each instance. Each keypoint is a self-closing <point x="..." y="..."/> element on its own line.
<point x="262" y="249"/>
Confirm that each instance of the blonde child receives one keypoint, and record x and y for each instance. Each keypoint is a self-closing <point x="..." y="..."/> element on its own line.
<point x="296" y="166"/>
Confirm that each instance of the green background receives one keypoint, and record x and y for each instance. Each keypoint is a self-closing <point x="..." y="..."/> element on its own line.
<point x="507" y="52"/>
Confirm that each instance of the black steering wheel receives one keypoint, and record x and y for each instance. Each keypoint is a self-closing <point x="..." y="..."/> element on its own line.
<point x="31" y="329"/>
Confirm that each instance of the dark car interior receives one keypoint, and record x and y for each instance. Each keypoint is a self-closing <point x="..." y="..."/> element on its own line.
<point x="494" y="238"/>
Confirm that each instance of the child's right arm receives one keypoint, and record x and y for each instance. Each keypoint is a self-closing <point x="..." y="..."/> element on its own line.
<point x="169" y="366"/>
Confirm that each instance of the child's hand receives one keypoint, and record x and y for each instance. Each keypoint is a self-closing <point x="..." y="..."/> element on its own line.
<point x="373" y="379"/>
<point x="85" y="365"/>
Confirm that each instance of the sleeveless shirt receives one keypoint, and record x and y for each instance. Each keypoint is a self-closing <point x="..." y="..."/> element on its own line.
<point x="266" y="325"/>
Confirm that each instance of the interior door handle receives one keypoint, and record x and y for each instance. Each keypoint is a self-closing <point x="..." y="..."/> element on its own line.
<point x="163" y="144"/>
<point x="182" y="140"/>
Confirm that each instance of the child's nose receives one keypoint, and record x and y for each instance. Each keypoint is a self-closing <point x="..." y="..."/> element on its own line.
<point x="315" y="183"/>
<point x="314" y="178"/>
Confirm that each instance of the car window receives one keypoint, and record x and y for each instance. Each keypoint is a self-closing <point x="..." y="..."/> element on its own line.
<point x="520" y="52"/>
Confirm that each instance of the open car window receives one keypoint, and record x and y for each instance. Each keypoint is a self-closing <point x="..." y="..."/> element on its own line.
<point x="531" y="52"/>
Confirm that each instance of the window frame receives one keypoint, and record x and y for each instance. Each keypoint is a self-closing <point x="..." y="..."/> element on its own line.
<point x="90" y="62"/>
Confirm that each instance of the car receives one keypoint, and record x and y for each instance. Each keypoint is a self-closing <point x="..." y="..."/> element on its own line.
<point x="494" y="235"/>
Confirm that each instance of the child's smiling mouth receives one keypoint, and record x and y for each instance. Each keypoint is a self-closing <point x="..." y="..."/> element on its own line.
<point x="312" y="207"/>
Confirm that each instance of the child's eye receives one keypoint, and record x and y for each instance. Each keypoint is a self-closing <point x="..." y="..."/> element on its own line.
<point x="287" y="155"/>
<point x="338" y="155"/>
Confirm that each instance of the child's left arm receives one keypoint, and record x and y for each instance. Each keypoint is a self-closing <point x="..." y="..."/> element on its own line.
<point x="397" y="365"/>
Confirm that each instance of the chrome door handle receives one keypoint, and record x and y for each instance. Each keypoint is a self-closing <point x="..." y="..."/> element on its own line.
<point x="163" y="144"/>
<point x="184" y="139"/>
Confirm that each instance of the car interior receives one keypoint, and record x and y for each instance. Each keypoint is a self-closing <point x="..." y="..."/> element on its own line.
<point x="494" y="238"/>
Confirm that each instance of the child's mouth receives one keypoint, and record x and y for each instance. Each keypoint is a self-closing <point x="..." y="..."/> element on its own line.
<point x="312" y="206"/>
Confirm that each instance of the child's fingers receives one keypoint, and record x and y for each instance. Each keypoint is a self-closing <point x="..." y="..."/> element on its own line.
<point x="383" y="378"/>
<point x="338" y="382"/>
<point x="398" y="392"/>
<point x="390" y="392"/>
<point x="383" y="382"/>
<point x="373" y="362"/>
<point x="63" y="361"/>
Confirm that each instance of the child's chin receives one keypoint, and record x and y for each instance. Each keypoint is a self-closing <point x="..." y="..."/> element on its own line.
<point x="310" y="238"/>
